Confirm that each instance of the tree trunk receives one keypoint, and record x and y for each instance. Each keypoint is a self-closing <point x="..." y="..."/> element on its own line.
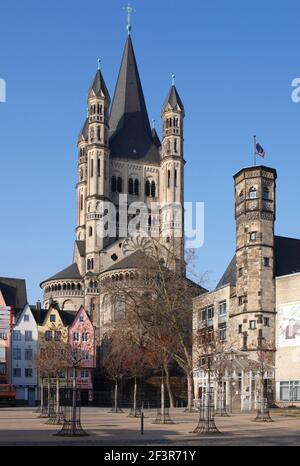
<point x="162" y="395"/>
<point x="135" y="397"/>
<point x="57" y="396"/>
<point x="42" y="394"/>
<point x="190" y="390"/>
<point x="168" y="384"/>
<point x="116" y="396"/>
<point x="49" y="395"/>
<point x="74" y="400"/>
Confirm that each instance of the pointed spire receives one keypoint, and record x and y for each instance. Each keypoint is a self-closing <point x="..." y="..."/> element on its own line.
<point x="98" y="86"/>
<point x="130" y="130"/>
<point x="173" y="100"/>
<point x="84" y="131"/>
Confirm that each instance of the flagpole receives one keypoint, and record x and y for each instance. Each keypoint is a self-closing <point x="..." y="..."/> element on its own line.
<point x="255" y="151"/>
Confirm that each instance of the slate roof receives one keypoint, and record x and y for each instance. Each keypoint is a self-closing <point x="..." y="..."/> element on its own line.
<point x="134" y="261"/>
<point x="130" y="131"/>
<point x="173" y="100"/>
<point x="14" y="292"/>
<point x="81" y="247"/>
<point x="71" y="272"/>
<point x="287" y="260"/>
<point x="99" y="87"/>
<point x="85" y="130"/>
<point x="38" y="314"/>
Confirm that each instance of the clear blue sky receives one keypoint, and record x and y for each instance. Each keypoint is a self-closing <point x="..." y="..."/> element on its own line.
<point x="234" y="63"/>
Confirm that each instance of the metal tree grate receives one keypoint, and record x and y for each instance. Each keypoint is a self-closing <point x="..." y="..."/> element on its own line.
<point x="163" y="417"/>
<point x="206" y="424"/>
<point x="263" y="412"/>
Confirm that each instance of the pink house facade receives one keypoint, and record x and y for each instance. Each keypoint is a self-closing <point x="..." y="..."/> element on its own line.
<point x="82" y="337"/>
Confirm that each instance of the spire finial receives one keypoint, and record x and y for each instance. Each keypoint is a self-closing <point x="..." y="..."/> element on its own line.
<point x="99" y="64"/>
<point x="173" y="79"/>
<point x="129" y="10"/>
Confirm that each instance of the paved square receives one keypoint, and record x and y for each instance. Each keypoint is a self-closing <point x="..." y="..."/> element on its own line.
<point x="21" y="426"/>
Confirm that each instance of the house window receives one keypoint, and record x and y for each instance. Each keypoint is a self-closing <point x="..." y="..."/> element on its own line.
<point x="57" y="336"/>
<point x="52" y="318"/>
<point x="75" y="336"/>
<point x="81" y="319"/>
<point x="84" y="374"/>
<point x="17" y="335"/>
<point x="290" y="391"/>
<point x="223" y="309"/>
<point x="28" y="354"/>
<point x="17" y="372"/>
<point x="28" y="372"/>
<point x="48" y="335"/>
<point x="28" y="335"/>
<point x="222" y="331"/>
<point x="17" y="354"/>
<point x="26" y="318"/>
<point x="85" y="336"/>
<point x="252" y="324"/>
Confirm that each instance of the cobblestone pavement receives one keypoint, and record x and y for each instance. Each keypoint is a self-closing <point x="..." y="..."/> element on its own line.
<point x="21" y="426"/>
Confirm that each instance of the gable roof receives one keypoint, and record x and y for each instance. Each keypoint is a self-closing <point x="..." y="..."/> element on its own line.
<point x="130" y="131"/>
<point x="286" y="260"/>
<point x="14" y="292"/>
<point x="71" y="272"/>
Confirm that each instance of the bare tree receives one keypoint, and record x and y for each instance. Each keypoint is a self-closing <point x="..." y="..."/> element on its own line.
<point x="160" y="300"/>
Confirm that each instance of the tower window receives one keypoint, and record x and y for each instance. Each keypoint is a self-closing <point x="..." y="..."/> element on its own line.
<point x="81" y="202"/>
<point x="175" y="146"/>
<point x="169" y="178"/>
<point x="130" y="186"/>
<point x="253" y="236"/>
<point x="147" y="188"/>
<point x="99" y="133"/>
<point x="240" y="329"/>
<point x="120" y="185"/>
<point x="136" y="187"/>
<point x="241" y="272"/>
<point x="253" y="193"/>
<point x="98" y="167"/>
<point x="114" y="184"/>
<point x="266" y="321"/>
<point x="266" y="194"/>
<point x="175" y="179"/>
<point x="241" y="196"/>
<point x="90" y="231"/>
<point x="266" y="261"/>
<point x="153" y="189"/>
<point x="92" y="168"/>
<point x="252" y="325"/>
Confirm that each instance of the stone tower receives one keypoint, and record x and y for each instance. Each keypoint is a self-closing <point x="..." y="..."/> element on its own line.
<point x="253" y="318"/>
<point x="172" y="172"/>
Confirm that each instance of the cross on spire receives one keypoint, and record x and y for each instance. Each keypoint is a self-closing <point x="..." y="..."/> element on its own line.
<point x="173" y="79"/>
<point x="130" y="11"/>
<point x="99" y="64"/>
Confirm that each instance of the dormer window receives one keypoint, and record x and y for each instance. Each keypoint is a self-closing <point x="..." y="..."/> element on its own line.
<point x="253" y="193"/>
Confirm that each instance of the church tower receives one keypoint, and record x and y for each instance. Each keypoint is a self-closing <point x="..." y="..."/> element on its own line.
<point x="172" y="172"/>
<point x="255" y="211"/>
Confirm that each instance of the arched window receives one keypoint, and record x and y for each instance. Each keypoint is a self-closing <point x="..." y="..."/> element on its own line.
<point x="92" y="264"/>
<point x="98" y="167"/>
<point x="120" y="185"/>
<point x="266" y="193"/>
<point x="99" y="133"/>
<point x="147" y="188"/>
<point x="175" y="179"/>
<point x="175" y="146"/>
<point x="114" y="184"/>
<point x="88" y="264"/>
<point x="92" y="168"/>
<point x="90" y="231"/>
<point x="253" y="193"/>
<point x="149" y="220"/>
<point x="136" y="187"/>
<point x="153" y="189"/>
<point x="169" y="178"/>
<point x="81" y="202"/>
<point x="130" y="186"/>
<point x="78" y="287"/>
